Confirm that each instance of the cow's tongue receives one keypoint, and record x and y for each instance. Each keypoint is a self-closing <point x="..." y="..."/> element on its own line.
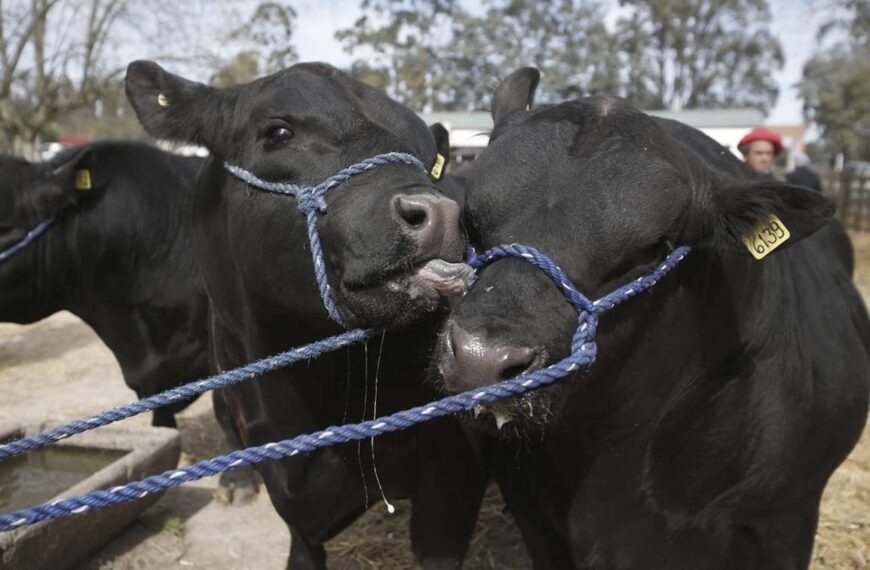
<point x="447" y="278"/>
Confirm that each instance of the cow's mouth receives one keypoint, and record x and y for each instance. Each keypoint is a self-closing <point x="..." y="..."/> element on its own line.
<point x="446" y="278"/>
<point x="427" y="278"/>
<point x="518" y="417"/>
<point x="400" y="295"/>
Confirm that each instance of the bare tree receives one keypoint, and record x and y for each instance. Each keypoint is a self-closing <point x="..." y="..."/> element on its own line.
<point x="52" y="62"/>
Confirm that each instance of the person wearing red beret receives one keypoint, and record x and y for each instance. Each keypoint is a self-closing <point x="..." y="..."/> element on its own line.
<point x="759" y="148"/>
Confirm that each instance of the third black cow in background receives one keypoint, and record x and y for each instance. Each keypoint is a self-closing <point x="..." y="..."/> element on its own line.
<point x="119" y="256"/>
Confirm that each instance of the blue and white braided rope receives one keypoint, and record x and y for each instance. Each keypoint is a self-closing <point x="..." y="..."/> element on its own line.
<point x="185" y="392"/>
<point x="31" y="237"/>
<point x="311" y="200"/>
<point x="581" y="358"/>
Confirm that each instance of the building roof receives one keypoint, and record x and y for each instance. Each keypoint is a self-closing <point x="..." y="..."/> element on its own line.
<point x="698" y="118"/>
<point x="472" y="120"/>
<point x="714" y="118"/>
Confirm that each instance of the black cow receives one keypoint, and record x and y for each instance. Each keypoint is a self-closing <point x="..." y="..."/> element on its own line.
<point x="303" y="125"/>
<point x="721" y="401"/>
<point x="119" y="256"/>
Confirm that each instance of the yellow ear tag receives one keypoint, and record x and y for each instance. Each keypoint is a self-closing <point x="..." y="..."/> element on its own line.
<point x="766" y="237"/>
<point x="437" y="167"/>
<point x="162" y="100"/>
<point x="83" y="180"/>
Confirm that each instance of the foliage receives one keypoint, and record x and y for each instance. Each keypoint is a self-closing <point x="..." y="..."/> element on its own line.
<point x="266" y="38"/>
<point x="406" y="46"/>
<point x="46" y="69"/>
<point x="836" y="82"/>
<point x="442" y="54"/>
<point x="700" y="53"/>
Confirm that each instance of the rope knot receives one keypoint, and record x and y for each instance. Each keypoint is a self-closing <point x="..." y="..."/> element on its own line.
<point x="308" y="201"/>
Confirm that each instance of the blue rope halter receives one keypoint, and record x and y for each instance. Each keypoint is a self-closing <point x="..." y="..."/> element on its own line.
<point x="583" y="353"/>
<point x="311" y="200"/>
<point x="31" y="237"/>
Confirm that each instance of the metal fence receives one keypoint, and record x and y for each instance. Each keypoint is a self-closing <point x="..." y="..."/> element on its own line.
<point x="851" y="194"/>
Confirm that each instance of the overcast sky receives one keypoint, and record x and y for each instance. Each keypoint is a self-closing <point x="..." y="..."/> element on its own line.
<point x="794" y="21"/>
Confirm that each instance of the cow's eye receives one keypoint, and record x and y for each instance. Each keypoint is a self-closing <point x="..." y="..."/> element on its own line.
<point x="279" y="135"/>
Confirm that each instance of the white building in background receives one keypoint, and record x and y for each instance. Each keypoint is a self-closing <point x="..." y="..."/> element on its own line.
<point x="469" y="132"/>
<point x="182" y="149"/>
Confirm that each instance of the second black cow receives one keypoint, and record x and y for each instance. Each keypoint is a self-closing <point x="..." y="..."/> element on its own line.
<point x="721" y="401"/>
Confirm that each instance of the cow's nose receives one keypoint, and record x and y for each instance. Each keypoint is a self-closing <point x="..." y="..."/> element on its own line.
<point x="433" y="222"/>
<point x="470" y="360"/>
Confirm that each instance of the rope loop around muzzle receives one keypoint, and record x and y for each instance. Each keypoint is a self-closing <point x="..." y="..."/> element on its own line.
<point x="311" y="200"/>
<point x="583" y="340"/>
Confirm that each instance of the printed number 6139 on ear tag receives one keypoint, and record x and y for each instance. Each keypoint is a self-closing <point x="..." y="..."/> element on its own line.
<point x="766" y="237"/>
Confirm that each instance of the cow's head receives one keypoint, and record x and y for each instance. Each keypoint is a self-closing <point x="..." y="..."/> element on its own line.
<point x="600" y="188"/>
<point x="31" y="193"/>
<point x="301" y="126"/>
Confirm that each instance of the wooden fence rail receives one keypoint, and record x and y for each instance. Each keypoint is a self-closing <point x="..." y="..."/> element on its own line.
<point x="851" y="194"/>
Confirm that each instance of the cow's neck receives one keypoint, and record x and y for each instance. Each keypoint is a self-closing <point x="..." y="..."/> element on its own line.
<point x="135" y="290"/>
<point x="701" y="326"/>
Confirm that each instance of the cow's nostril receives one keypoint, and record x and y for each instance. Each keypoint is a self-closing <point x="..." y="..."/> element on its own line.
<point x="477" y="361"/>
<point x="516" y="370"/>
<point x="515" y="361"/>
<point x="432" y="221"/>
<point x="412" y="211"/>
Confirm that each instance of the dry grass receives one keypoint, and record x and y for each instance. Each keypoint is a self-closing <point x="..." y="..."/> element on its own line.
<point x="843" y="536"/>
<point x="378" y="541"/>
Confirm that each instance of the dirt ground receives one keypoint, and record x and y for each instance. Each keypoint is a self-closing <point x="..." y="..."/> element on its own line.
<point x="57" y="370"/>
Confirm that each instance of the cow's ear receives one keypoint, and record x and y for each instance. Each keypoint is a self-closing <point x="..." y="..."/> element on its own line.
<point x="75" y="171"/>
<point x="442" y="147"/>
<point x="70" y="177"/>
<point x="515" y="93"/>
<point x="740" y="209"/>
<point x="171" y="107"/>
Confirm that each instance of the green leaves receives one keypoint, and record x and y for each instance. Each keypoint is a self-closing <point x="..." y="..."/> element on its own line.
<point x="836" y="83"/>
<point x="446" y="55"/>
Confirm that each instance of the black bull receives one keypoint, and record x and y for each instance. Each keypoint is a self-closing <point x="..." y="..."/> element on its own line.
<point x="380" y="230"/>
<point x="721" y="401"/>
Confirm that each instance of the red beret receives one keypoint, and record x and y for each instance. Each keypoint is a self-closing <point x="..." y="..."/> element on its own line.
<point x="762" y="135"/>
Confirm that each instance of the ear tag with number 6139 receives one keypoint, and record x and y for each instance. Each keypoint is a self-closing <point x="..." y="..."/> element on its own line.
<point x="766" y="237"/>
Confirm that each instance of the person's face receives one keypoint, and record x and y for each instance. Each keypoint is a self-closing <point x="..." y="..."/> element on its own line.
<point x="760" y="156"/>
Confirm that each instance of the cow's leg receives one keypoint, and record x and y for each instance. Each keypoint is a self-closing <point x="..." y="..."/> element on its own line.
<point x="238" y="486"/>
<point x="144" y="386"/>
<point x="445" y="500"/>
<point x="163" y="417"/>
<point x="547" y="549"/>
<point x="305" y="554"/>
